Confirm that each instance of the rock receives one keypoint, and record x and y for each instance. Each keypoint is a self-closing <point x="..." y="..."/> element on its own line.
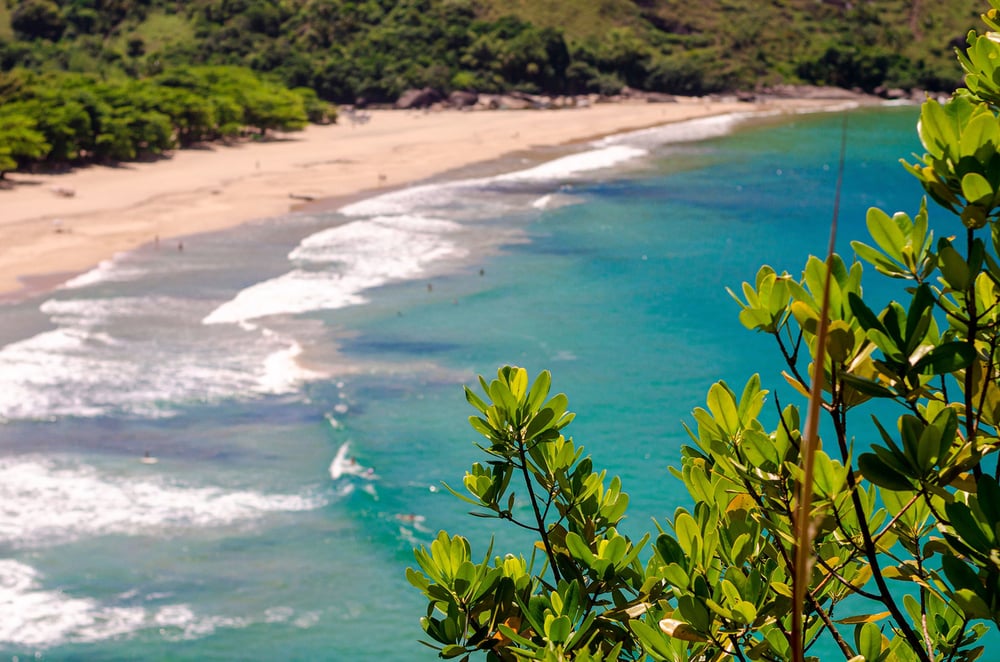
<point x="487" y="102"/>
<point x="462" y="99"/>
<point x="510" y="102"/>
<point x="659" y="97"/>
<point x="643" y="95"/>
<point x="418" y="98"/>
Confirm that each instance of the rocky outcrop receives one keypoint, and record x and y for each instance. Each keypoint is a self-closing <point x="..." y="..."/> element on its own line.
<point x="810" y="92"/>
<point x="648" y="97"/>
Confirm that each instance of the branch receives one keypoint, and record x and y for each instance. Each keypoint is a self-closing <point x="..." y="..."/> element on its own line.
<point x="538" y="515"/>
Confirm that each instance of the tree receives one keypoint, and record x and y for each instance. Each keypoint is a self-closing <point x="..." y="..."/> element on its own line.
<point x="37" y="19"/>
<point x="890" y="548"/>
<point x="20" y="142"/>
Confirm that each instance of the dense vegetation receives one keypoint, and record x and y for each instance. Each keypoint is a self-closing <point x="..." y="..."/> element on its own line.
<point x="883" y="542"/>
<point x="66" y="118"/>
<point x="105" y="80"/>
<point x="375" y="49"/>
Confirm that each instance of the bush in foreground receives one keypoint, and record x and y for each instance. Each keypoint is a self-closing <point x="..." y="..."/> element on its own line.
<point x="889" y="548"/>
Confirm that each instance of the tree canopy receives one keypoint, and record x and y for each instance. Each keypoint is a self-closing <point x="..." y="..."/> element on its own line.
<point x="65" y="118"/>
<point x="376" y="49"/>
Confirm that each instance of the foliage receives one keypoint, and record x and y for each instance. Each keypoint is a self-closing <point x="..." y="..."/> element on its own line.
<point x="57" y="118"/>
<point x="19" y="140"/>
<point x="373" y="50"/>
<point x="901" y="531"/>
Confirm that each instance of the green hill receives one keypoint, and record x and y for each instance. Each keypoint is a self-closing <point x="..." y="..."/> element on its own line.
<point x="375" y="49"/>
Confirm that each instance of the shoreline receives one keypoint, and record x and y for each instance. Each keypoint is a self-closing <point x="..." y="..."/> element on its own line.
<point x="56" y="226"/>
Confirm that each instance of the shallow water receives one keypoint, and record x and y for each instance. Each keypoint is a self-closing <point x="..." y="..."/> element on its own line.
<point x="241" y="365"/>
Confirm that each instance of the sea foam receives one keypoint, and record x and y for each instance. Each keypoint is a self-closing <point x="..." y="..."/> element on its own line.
<point x="46" y="503"/>
<point x="141" y="356"/>
<point x="338" y="264"/>
<point x="31" y="615"/>
<point x="443" y="195"/>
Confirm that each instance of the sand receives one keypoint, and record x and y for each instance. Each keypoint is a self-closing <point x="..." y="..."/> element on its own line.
<point x="47" y="235"/>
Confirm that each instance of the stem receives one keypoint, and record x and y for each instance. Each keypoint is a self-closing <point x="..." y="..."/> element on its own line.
<point x="791" y="359"/>
<point x="871" y="552"/>
<point x="958" y="638"/>
<point x="923" y="613"/>
<point x="802" y="531"/>
<point x="845" y="648"/>
<point x="542" y="532"/>
<point x="971" y="330"/>
<point x="736" y="647"/>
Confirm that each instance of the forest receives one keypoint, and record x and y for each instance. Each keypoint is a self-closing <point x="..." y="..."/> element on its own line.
<point x="105" y="80"/>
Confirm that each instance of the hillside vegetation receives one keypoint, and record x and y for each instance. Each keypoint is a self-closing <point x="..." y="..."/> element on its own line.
<point x="112" y="80"/>
<point x="375" y="49"/>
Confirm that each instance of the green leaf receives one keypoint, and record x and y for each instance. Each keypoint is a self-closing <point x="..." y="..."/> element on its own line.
<point x="670" y="551"/>
<point x="452" y="650"/>
<point x="839" y="341"/>
<point x="970" y="603"/>
<point x="652" y="641"/>
<point x="947" y="358"/>
<point x="976" y="188"/>
<point x="475" y="400"/>
<point x="540" y="422"/>
<point x="579" y="549"/>
<point x="870" y="641"/>
<point x="863" y="313"/>
<point x="886" y="233"/>
<point x="968" y="527"/>
<point x="722" y="404"/>
<point x="866" y="386"/>
<point x="874" y="469"/>
<point x="881" y="263"/>
<point x="539" y="390"/>
<point x="519" y="383"/>
<point x="988" y="499"/>
<point x="559" y="629"/>
<point x="953" y="268"/>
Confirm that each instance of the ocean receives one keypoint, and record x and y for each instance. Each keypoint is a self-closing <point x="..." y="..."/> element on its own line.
<point x="168" y="420"/>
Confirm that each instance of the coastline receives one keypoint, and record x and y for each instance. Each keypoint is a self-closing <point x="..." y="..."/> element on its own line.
<point x="49" y="237"/>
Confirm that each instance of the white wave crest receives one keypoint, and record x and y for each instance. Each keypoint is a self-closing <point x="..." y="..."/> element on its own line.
<point x="357" y="256"/>
<point x="139" y="356"/>
<point x="45" y="503"/>
<point x="31" y="615"/>
<point x="575" y="164"/>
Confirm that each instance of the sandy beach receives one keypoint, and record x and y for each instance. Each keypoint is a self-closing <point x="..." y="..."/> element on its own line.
<point x="47" y="235"/>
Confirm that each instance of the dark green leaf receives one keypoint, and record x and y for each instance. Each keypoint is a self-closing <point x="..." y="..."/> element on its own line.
<point x="946" y="358"/>
<point x="874" y="469"/>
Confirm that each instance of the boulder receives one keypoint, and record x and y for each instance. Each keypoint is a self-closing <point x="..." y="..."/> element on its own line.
<point x="418" y="98"/>
<point x="462" y="99"/>
<point x="508" y="102"/>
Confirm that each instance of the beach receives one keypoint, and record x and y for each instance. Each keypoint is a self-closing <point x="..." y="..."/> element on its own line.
<point x="53" y="226"/>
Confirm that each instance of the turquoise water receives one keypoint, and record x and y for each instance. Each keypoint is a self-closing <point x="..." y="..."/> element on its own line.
<point x="243" y="364"/>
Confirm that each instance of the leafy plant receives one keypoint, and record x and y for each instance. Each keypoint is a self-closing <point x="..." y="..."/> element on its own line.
<point x="898" y="537"/>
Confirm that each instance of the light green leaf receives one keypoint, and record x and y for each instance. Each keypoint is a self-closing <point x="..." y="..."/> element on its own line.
<point x="976" y="188"/>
